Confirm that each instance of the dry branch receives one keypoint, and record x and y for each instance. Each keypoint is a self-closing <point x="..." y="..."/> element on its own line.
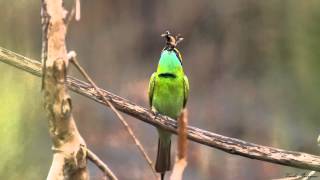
<point x="303" y="176"/>
<point x="101" y="165"/>
<point x="73" y="59"/>
<point x="227" y="144"/>
<point x="181" y="159"/>
<point x="69" y="149"/>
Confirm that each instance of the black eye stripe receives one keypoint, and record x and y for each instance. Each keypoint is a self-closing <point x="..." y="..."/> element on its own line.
<point x="178" y="55"/>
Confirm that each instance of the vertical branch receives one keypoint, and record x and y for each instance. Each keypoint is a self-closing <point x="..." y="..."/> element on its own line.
<point x="77" y="7"/>
<point x="181" y="160"/>
<point x="182" y="135"/>
<point x="69" y="149"/>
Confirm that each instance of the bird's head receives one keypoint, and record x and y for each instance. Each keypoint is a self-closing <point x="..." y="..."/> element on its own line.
<point x="171" y="41"/>
<point x="170" y="60"/>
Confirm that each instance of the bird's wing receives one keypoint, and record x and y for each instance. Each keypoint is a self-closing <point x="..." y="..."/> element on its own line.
<point x="152" y="83"/>
<point x="186" y="90"/>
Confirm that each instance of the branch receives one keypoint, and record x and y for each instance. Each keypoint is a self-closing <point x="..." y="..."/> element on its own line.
<point x="101" y="165"/>
<point x="290" y="178"/>
<point x="73" y="59"/>
<point x="69" y="149"/>
<point x="226" y="144"/>
<point x="181" y="159"/>
<point x="303" y="176"/>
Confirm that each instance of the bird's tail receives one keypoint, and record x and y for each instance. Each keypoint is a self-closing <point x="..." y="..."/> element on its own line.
<point x="163" y="162"/>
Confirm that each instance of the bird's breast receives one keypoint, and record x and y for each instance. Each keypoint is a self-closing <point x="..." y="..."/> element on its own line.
<point x="168" y="96"/>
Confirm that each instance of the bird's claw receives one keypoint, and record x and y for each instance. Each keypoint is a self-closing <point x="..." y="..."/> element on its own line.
<point x="155" y="112"/>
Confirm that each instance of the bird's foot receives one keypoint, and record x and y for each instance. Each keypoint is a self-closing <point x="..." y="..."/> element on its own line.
<point x="155" y="112"/>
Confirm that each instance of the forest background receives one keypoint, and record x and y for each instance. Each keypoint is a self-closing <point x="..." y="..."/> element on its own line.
<point x="253" y="68"/>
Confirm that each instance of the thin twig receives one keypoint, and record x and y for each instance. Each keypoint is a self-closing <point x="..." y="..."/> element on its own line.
<point x="303" y="176"/>
<point x="74" y="13"/>
<point x="290" y="178"/>
<point x="72" y="57"/>
<point x="101" y="165"/>
<point x="227" y="144"/>
<point x="71" y="14"/>
<point x="77" y="2"/>
<point x="310" y="175"/>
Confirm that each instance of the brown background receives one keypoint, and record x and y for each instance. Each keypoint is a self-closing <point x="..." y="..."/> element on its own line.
<point x="253" y="68"/>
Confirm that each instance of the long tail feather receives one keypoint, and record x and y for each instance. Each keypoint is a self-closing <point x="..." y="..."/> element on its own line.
<point x="163" y="162"/>
<point x="162" y="176"/>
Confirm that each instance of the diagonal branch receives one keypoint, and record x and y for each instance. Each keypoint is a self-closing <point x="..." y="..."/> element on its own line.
<point x="227" y="144"/>
<point x="101" y="165"/>
<point x="73" y="59"/>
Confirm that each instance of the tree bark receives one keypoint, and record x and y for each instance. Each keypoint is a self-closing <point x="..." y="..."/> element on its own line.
<point x="69" y="148"/>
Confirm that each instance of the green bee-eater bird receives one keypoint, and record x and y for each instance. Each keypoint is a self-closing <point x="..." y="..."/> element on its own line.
<point x="168" y="95"/>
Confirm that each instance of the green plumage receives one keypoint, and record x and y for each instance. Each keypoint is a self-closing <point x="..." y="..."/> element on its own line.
<point x="168" y="95"/>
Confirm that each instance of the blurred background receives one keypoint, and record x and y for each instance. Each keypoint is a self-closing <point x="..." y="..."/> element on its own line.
<point x="253" y="68"/>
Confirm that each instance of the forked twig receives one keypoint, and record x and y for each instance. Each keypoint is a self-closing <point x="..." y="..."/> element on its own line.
<point x="74" y="13"/>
